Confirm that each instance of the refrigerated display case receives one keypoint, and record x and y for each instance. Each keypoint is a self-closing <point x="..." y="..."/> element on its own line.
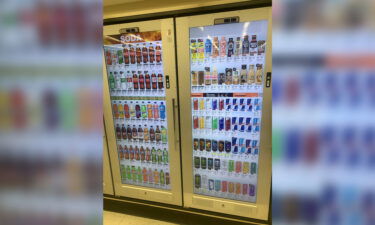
<point x="140" y="107"/>
<point x="224" y="64"/>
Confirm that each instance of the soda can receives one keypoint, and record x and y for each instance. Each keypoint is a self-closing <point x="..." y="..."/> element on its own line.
<point x="255" y="121"/>
<point x="201" y="104"/>
<point x="221" y="104"/>
<point x="241" y="120"/>
<point x="217" y="164"/>
<point x="224" y="165"/>
<point x="197" y="162"/>
<point x="195" y="122"/>
<point x="204" y="182"/>
<point x="217" y="185"/>
<point x="234" y="104"/>
<point x="257" y="129"/>
<point x="202" y="144"/>
<point x="204" y="163"/>
<point x="238" y="188"/>
<point x="254" y="143"/>
<point x="235" y="149"/>
<point x="214" y="145"/>
<point x="242" y="128"/>
<point x="210" y="163"/>
<point x="238" y="166"/>
<point x="214" y="104"/>
<point x="221" y="123"/>
<point x="230" y="165"/>
<point x="211" y="184"/>
<point x="227" y="104"/>
<point x="195" y="104"/>
<point x="208" y="104"/>
<point x="248" y="129"/>
<point x="215" y="123"/>
<point x="201" y="122"/>
<point x="253" y="168"/>
<point x="256" y="151"/>
<point x="208" y="123"/>
<point x="246" y="168"/>
<point x="196" y="143"/>
<point x="221" y="146"/>
<point x="234" y="141"/>
<point x="227" y="124"/>
<point x="248" y="121"/>
<point x="249" y="106"/>
<point x="245" y="189"/>
<point x="242" y="145"/>
<point x="208" y="145"/>
<point x="231" y="187"/>
<point x="224" y="186"/>
<point x="242" y="105"/>
<point x="228" y="146"/>
<point x="251" y="189"/>
<point x="197" y="181"/>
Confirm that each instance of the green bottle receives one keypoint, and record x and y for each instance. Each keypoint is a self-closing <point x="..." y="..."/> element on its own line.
<point x="123" y="172"/>
<point x="160" y="156"/>
<point x="111" y="80"/>
<point x="165" y="156"/>
<point x="162" y="177"/>
<point x="120" y="57"/>
<point x="231" y="166"/>
<point x="128" y="173"/>
<point x="134" y="174"/>
<point x="163" y="134"/>
<point x="143" y="110"/>
<point x="139" y="173"/>
<point x="153" y="155"/>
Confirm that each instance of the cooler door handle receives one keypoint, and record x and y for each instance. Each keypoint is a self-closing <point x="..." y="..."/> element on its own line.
<point x="176" y="133"/>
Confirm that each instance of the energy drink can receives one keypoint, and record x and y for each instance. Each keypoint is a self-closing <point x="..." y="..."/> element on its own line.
<point x="231" y="166"/>
<point x="221" y="123"/>
<point x="201" y="122"/>
<point x="248" y="121"/>
<point x="201" y="104"/>
<point x="214" y="145"/>
<point x="221" y="146"/>
<point x="214" y="123"/>
<point x="257" y="129"/>
<point x="228" y="146"/>
<point x="245" y="189"/>
<point x="208" y="145"/>
<point x="246" y="168"/>
<point x="224" y="186"/>
<point x="208" y="103"/>
<point x="251" y="189"/>
<point x="197" y="181"/>
<point x="211" y="184"/>
<point x="241" y="145"/>
<point x="197" y="162"/>
<point x="234" y="124"/>
<point x="195" y="122"/>
<point x="201" y="144"/>
<point x="217" y="185"/>
<point x="203" y="162"/>
<point x="227" y="104"/>
<point x="195" y="104"/>
<point x="231" y="187"/>
<point x="242" y="104"/>
<point x="234" y="104"/>
<point x="253" y="168"/>
<point x="195" y="143"/>
<point x="238" y="166"/>
<point x="238" y="188"/>
<point x="221" y="104"/>
<point x="227" y="124"/>
<point x="210" y="163"/>
<point x="256" y="151"/>
<point x="249" y="106"/>
<point x="217" y="164"/>
<point x="214" y="104"/>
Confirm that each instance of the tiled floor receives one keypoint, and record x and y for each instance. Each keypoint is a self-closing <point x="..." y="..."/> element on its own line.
<point x="112" y="218"/>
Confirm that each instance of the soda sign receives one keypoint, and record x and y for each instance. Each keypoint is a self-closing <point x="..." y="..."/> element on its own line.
<point x="149" y="36"/>
<point x="129" y="38"/>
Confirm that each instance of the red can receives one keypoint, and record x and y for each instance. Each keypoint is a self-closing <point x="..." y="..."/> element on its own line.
<point x="195" y="103"/>
<point x="224" y="186"/>
<point x="245" y="189"/>
<point x="196" y="122"/>
<point x="221" y="104"/>
<point x="227" y="123"/>
<point x="238" y="167"/>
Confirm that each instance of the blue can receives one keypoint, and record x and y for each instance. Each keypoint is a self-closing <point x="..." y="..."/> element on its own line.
<point x="214" y="145"/>
<point x="254" y="143"/>
<point x="227" y="104"/>
<point x="248" y="128"/>
<point x="208" y="47"/>
<point x="235" y="127"/>
<point x="228" y="146"/>
<point x="257" y="128"/>
<point x="214" y="104"/>
<point x="248" y="120"/>
<point x="234" y="120"/>
<point x="235" y="149"/>
<point x="217" y="185"/>
<point x="234" y="141"/>
<point x="248" y="141"/>
<point x="251" y="189"/>
<point x="235" y="105"/>
<point x="240" y="120"/>
<point x="256" y="151"/>
<point x="221" y="123"/>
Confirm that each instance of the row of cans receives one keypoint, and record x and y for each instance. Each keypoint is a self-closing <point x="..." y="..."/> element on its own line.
<point x="202" y="182"/>
<point x="227" y="104"/>
<point x="145" y="175"/>
<point x="139" y="110"/>
<point x="144" y="154"/>
<point x="225" y="165"/>
<point x="237" y="145"/>
<point x="241" y="124"/>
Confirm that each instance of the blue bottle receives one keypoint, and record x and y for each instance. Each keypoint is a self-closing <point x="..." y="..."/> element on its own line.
<point x="208" y="47"/>
<point x="162" y="111"/>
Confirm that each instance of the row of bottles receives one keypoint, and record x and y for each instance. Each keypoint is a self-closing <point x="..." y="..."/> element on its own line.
<point x="234" y="146"/>
<point x="135" y="80"/>
<point x="230" y="76"/>
<point x="143" y="154"/>
<point x="133" y="174"/>
<point x="201" y="49"/>
<point x="202" y="181"/>
<point x="145" y="134"/>
<point x="139" y="110"/>
<point x="134" y="54"/>
<point x="230" y="166"/>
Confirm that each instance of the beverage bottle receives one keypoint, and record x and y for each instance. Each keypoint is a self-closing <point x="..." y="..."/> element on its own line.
<point x="160" y="156"/>
<point x="251" y="75"/>
<point x="162" y="177"/>
<point x="197" y="181"/>
<point x="253" y="45"/>
<point x="200" y="78"/>
<point x="236" y="77"/>
<point x="207" y="76"/>
<point x="118" y="132"/>
<point x="165" y="156"/>
<point x="157" y="134"/>
<point x="259" y="74"/>
<point x="158" y="52"/>
<point x="111" y="80"/>
<point x="195" y="104"/>
<point x="146" y="135"/>
<point x="160" y="81"/>
<point x="120" y="152"/>
<point x="117" y="81"/>
<point x="148" y="80"/>
<point x="162" y="110"/>
<point x="156" y="110"/>
<point x="126" y="152"/>
<point x="245" y="45"/>
<point x="137" y="110"/>
<point x="128" y="173"/>
<point x="201" y="104"/>
<point x="211" y="184"/>
<point x="123" y="132"/>
<point x="120" y="57"/>
<point x="134" y="133"/>
<point x="237" y="50"/>
<point x="224" y="186"/>
<point x="230" y="47"/>
<point x="163" y="134"/>
<point x="200" y="49"/>
<point x="149" y="110"/>
<point x="126" y="54"/>
<point x="154" y="81"/>
<point x="135" y="81"/>
<point x="223" y="47"/>
<point x="144" y="53"/>
<point x="203" y="163"/>
<point x="194" y="78"/>
<point x="208" y="48"/>
<point x="150" y="176"/>
<point x="129" y="132"/>
<point x="132" y="55"/>
<point x="151" y="52"/>
<point x="121" y="111"/>
<point x="129" y="80"/>
<point x="123" y="172"/>
<point x="148" y="154"/>
<point x="144" y="174"/>
<point x="138" y="54"/>
<point x="115" y="110"/>
<point x="153" y="155"/>
<point x="142" y="153"/>
<point x="136" y="153"/>
<point x="141" y="81"/>
<point x="193" y="49"/>
<point x="114" y="57"/>
<point x="140" y="133"/>
<point x="156" y="176"/>
<point x="143" y="110"/>
<point x="132" y="110"/>
<point x="108" y="57"/>
<point x="152" y="134"/>
<point x="221" y="78"/>
<point x="228" y="76"/>
<point x="245" y="189"/>
<point x="243" y="74"/>
<point x="126" y="111"/>
<point x="131" y="152"/>
<point x="167" y="179"/>
<point x="124" y="83"/>
<point x="214" y="77"/>
<point x="134" y="174"/>
<point x="215" y="49"/>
